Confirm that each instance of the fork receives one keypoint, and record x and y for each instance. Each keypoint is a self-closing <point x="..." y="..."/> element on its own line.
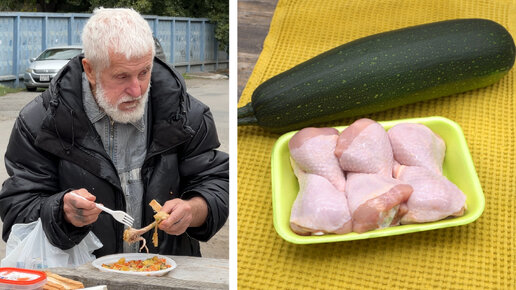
<point x="118" y="215"/>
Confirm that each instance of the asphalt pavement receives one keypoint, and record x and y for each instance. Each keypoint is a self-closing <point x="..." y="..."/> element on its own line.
<point x="211" y="89"/>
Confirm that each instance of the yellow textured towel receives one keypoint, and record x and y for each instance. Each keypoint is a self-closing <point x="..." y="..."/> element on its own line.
<point x="480" y="255"/>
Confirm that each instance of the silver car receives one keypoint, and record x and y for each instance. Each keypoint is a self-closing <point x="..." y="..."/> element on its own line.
<point x="44" y="67"/>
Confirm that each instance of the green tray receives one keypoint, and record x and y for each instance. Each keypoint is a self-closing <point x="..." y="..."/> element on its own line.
<point x="458" y="167"/>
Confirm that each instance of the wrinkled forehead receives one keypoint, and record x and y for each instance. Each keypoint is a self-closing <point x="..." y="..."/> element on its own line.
<point x="120" y="61"/>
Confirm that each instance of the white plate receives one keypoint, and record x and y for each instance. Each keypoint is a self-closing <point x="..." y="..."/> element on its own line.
<point x="129" y="257"/>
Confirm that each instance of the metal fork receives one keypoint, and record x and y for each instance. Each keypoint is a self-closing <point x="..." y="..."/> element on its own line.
<point x="118" y="215"/>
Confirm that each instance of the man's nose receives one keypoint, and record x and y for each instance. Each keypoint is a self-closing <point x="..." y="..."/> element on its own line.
<point x="134" y="88"/>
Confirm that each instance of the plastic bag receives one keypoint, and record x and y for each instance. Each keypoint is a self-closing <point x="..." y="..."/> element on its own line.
<point x="29" y="248"/>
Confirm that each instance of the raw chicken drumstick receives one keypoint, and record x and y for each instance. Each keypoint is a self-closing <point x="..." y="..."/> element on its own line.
<point x="375" y="201"/>
<point x="364" y="147"/>
<point x="319" y="207"/>
<point x="417" y="145"/>
<point x="313" y="151"/>
<point x="420" y="153"/>
<point x="434" y="197"/>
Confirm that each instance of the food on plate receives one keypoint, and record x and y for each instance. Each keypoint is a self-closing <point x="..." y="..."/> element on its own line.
<point x="55" y="282"/>
<point x="376" y="201"/>
<point x="151" y="264"/>
<point x="313" y="150"/>
<point x="364" y="147"/>
<point x="417" y="145"/>
<point x="319" y="207"/>
<point x="382" y="188"/>
<point x="132" y="235"/>
<point x="383" y="71"/>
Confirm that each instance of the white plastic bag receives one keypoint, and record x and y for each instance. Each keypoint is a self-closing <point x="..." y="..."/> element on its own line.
<point x="29" y="248"/>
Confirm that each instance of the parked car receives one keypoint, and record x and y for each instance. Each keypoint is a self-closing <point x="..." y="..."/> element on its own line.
<point x="44" y="67"/>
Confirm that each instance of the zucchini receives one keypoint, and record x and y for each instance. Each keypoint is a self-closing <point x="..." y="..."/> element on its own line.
<point x="383" y="71"/>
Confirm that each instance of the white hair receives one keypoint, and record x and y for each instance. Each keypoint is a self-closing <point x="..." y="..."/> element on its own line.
<point x="116" y="30"/>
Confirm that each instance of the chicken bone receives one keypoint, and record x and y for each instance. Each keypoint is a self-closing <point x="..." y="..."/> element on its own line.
<point x="132" y="235"/>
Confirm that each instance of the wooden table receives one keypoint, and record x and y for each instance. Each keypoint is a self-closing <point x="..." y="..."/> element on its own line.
<point x="190" y="273"/>
<point x="254" y="17"/>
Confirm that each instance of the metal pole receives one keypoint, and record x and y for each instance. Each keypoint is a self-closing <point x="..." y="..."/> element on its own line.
<point x="44" y="33"/>
<point x="16" y="50"/>
<point x="216" y="53"/>
<point x="172" y="42"/>
<point x="188" y="45"/>
<point x="203" y="36"/>
<point x="70" y="25"/>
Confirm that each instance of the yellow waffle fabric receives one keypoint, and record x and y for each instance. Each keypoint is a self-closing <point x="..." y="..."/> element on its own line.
<point x="479" y="255"/>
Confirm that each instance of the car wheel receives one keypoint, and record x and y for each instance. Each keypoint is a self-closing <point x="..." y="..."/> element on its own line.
<point x="32" y="89"/>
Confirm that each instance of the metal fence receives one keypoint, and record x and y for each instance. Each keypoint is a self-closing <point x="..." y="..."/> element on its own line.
<point x="189" y="43"/>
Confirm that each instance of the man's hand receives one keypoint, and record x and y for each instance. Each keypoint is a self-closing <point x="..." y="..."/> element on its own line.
<point x="80" y="212"/>
<point x="183" y="214"/>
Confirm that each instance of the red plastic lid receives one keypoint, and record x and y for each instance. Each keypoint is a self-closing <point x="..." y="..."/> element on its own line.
<point x="17" y="276"/>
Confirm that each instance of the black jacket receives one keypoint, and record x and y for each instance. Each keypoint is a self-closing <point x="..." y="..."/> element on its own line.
<point x="54" y="148"/>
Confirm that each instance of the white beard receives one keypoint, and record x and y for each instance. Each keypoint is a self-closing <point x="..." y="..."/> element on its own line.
<point x="121" y="116"/>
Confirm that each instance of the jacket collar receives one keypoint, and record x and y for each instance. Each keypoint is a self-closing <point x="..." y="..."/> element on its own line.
<point x="65" y="107"/>
<point x="67" y="131"/>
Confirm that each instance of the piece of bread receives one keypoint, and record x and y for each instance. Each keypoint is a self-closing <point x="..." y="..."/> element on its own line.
<point x="160" y="215"/>
<point x="55" y="280"/>
<point x="155" y="205"/>
<point x="52" y="286"/>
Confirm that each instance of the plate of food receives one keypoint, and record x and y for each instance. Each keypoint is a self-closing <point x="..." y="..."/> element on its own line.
<point x="457" y="167"/>
<point x="140" y="264"/>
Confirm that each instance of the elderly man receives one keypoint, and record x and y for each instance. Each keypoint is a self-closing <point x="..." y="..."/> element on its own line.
<point x="117" y="127"/>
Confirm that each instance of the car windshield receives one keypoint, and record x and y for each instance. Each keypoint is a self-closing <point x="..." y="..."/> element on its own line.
<point x="59" y="53"/>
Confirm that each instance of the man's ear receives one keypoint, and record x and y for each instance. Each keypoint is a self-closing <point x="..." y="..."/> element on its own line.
<point x="88" y="69"/>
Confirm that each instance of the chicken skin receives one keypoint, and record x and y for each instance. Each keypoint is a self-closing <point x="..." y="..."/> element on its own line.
<point x="375" y="201"/>
<point x="319" y="208"/>
<point x="313" y="151"/>
<point x="434" y="197"/>
<point x="417" y="145"/>
<point x="364" y="147"/>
